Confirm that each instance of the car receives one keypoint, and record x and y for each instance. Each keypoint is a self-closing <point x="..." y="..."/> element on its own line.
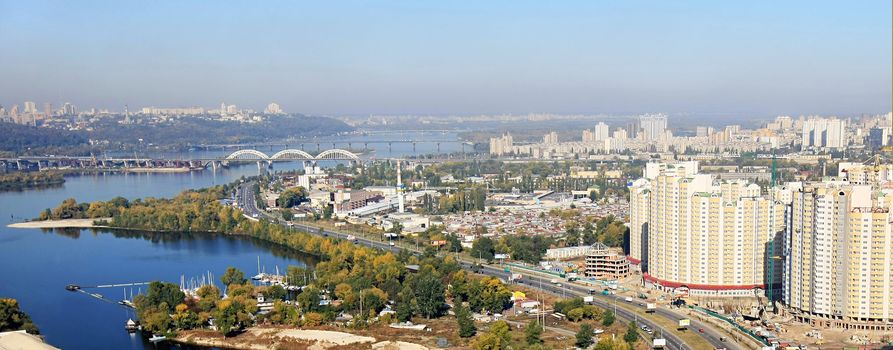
<point x="700" y="330"/>
<point x="391" y="244"/>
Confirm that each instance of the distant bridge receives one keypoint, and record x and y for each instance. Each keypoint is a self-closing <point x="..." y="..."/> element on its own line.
<point x="143" y="163"/>
<point x="292" y="154"/>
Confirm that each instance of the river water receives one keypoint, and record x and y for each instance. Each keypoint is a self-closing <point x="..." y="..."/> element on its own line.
<point x="36" y="265"/>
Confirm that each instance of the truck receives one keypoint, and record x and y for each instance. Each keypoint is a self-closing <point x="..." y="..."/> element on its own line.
<point x="515" y="277"/>
<point x="572" y="276"/>
<point x="554" y="281"/>
<point x="588" y="299"/>
<point x="628" y="299"/>
<point x="684" y="323"/>
<point x="351" y="238"/>
<point x="650" y="307"/>
<point x="659" y="343"/>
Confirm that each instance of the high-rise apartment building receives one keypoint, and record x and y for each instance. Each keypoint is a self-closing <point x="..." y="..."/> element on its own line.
<point x="653" y="126"/>
<point x="690" y="232"/>
<point x="824" y="132"/>
<point x="273" y="108"/>
<point x="30" y="107"/>
<point x="839" y="254"/>
<point x="550" y="138"/>
<point x="601" y="132"/>
<point x="501" y="145"/>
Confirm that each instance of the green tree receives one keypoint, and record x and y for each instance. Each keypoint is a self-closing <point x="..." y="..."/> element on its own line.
<point x="497" y="338"/>
<point x="607" y="343"/>
<point x="466" y="323"/>
<point x="533" y="333"/>
<point x="292" y="197"/>
<point x="275" y="292"/>
<point x="483" y="248"/>
<point x="584" y="336"/>
<point x="632" y="333"/>
<point x="309" y="299"/>
<point x="12" y="318"/>
<point x="608" y="318"/>
<point x="162" y="295"/>
<point x="233" y="276"/>
<point x="429" y="295"/>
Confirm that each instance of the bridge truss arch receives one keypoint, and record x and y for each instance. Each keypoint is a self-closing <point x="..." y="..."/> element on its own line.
<point x="248" y="154"/>
<point x="292" y="154"/>
<point x="337" y="154"/>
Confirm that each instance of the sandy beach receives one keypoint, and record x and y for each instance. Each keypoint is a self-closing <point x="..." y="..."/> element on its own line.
<point x="268" y="337"/>
<point x="69" y="223"/>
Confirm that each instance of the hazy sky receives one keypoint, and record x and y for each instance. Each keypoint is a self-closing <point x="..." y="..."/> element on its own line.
<point x="345" y="57"/>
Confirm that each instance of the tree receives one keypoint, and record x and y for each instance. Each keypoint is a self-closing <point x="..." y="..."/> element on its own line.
<point x="12" y="318"/>
<point x="233" y="276"/>
<point x="404" y="311"/>
<point x="292" y="197"/>
<point x="466" y="323"/>
<point x="607" y="343"/>
<point x="275" y="292"/>
<point x="483" y="248"/>
<point x="533" y="332"/>
<point x="584" y="336"/>
<point x="608" y="318"/>
<point x="160" y="295"/>
<point x="632" y="333"/>
<point x="429" y="295"/>
<point x="309" y="299"/>
<point x="497" y="338"/>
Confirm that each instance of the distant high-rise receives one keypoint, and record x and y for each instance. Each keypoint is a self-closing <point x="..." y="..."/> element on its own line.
<point x="550" y="138"/>
<point x="222" y="109"/>
<point x="501" y="145"/>
<point x="47" y="109"/>
<point x="878" y="137"/>
<point x="824" y="132"/>
<point x="30" y="107"/>
<point x="653" y="126"/>
<point x="273" y="108"/>
<point x="601" y="132"/>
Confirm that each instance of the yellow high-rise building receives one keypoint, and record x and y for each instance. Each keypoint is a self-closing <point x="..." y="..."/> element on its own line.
<point x="839" y="254"/>
<point x="691" y="233"/>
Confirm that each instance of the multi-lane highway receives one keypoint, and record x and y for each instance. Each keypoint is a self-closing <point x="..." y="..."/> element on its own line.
<point x="622" y="308"/>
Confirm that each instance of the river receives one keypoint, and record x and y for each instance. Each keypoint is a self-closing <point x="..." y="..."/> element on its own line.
<point x="35" y="265"/>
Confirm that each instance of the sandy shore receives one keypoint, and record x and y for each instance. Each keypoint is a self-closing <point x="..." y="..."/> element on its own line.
<point x="69" y="223"/>
<point x="311" y="339"/>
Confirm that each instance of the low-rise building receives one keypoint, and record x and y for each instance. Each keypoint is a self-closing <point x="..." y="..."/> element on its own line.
<point x="606" y="263"/>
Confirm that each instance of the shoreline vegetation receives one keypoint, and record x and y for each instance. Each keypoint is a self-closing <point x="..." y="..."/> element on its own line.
<point x="27" y="180"/>
<point x="374" y="287"/>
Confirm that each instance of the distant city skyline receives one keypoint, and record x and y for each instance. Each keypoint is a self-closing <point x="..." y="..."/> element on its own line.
<point x="355" y="58"/>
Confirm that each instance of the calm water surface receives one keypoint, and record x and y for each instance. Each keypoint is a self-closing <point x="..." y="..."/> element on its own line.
<point x="36" y="265"/>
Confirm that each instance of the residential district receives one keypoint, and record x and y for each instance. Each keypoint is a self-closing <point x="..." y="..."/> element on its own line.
<point x="795" y="250"/>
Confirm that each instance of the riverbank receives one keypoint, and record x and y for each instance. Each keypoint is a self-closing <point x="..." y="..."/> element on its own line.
<point x="67" y="223"/>
<point x="290" y="338"/>
<point x="30" y="180"/>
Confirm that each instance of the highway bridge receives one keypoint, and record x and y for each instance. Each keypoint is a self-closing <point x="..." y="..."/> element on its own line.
<point x="244" y="155"/>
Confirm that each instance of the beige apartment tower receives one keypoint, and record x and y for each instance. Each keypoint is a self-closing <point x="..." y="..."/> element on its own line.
<point x="839" y="255"/>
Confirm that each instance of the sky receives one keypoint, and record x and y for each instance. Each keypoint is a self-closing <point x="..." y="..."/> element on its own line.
<point x="730" y="59"/>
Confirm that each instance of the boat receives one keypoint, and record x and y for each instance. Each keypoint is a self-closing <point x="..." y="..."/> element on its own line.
<point x="73" y="287"/>
<point x="131" y="325"/>
<point x="157" y="338"/>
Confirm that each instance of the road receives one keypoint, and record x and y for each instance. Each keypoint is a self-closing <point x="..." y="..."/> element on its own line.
<point x="248" y="204"/>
